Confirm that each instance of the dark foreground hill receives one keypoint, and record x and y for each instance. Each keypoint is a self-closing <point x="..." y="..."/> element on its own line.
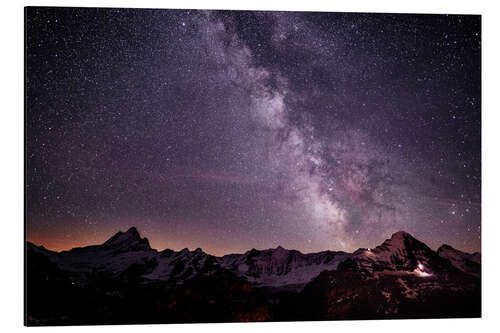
<point x="125" y="281"/>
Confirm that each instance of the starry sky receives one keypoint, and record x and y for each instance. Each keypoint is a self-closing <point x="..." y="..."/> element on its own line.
<point x="232" y="130"/>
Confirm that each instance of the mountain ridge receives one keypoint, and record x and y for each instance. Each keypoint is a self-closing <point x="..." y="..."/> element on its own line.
<point x="237" y="253"/>
<point x="400" y="278"/>
<point x="269" y="267"/>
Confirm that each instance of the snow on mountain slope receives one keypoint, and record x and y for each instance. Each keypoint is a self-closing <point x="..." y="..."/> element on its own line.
<point x="401" y="252"/>
<point x="272" y="267"/>
<point x="280" y="267"/>
<point x="127" y="241"/>
<point x="178" y="266"/>
<point x="112" y="257"/>
<point x="125" y="250"/>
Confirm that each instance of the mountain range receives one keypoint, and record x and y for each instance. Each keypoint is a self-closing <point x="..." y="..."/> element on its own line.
<point x="124" y="280"/>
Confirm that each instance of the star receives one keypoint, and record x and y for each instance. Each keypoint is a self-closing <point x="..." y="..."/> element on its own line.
<point x="232" y="130"/>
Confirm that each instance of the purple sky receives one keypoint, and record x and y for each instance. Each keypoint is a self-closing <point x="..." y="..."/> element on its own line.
<point x="232" y="130"/>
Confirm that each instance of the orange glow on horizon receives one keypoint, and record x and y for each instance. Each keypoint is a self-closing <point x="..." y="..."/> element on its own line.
<point x="58" y="241"/>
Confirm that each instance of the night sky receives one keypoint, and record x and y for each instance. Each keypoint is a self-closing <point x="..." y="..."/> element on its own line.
<point x="232" y="130"/>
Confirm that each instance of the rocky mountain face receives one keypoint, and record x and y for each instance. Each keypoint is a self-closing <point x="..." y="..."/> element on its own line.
<point x="402" y="252"/>
<point x="281" y="267"/>
<point x="118" y="254"/>
<point x="468" y="263"/>
<point x="272" y="267"/>
<point x="401" y="278"/>
<point x="124" y="280"/>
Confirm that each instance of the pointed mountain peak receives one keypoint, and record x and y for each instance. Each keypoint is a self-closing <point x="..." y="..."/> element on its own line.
<point x="121" y="236"/>
<point x="129" y="240"/>
<point x="401" y="235"/>
<point x="132" y="231"/>
<point x="400" y="252"/>
<point x="399" y="240"/>
<point x="278" y="253"/>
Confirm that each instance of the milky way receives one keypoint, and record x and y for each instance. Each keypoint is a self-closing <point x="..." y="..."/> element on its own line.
<point x="231" y="130"/>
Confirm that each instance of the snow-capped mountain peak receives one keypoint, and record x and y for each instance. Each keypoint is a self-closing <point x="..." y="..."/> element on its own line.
<point x="279" y="266"/>
<point x="130" y="240"/>
<point x="273" y="267"/>
<point x="400" y="252"/>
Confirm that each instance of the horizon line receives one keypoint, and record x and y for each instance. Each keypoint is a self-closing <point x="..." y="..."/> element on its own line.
<point x="235" y="253"/>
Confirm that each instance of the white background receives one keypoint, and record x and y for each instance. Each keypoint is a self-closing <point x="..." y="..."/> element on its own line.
<point x="11" y="157"/>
